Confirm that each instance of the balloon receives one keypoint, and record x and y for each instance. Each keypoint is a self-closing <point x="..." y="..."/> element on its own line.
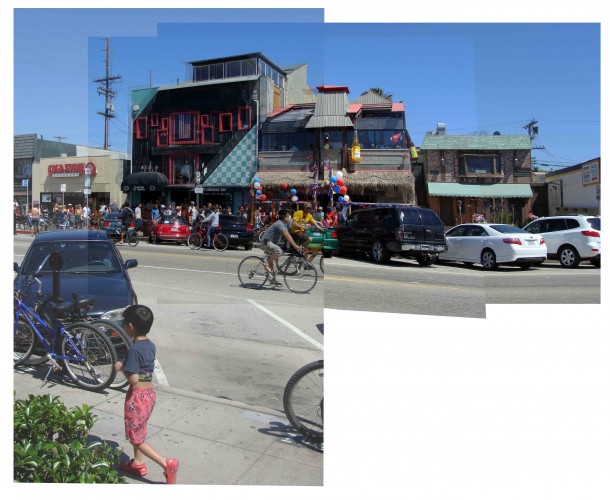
<point x="258" y="192"/>
<point x="333" y="179"/>
<point x="339" y="174"/>
<point x="257" y="185"/>
<point x="340" y="182"/>
<point x="346" y="198"/>
<point x="295" y="198"/>
<point x="341" y="199"/>
<point x="343" y="190"/>
<point x="293" y="191"/>
<point x="257" y="179"/>
<point x="284" y="186"/>
<point x="262" y="197"/>
<point x="336" y="189"/>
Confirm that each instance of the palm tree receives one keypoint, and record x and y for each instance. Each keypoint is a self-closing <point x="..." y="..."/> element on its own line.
<point x="378" y="91"/>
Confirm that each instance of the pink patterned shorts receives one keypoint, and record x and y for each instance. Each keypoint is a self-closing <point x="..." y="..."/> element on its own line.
<point x="139" y="404"/>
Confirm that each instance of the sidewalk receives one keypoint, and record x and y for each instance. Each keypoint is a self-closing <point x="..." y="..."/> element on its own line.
<point x="218" y="442"/>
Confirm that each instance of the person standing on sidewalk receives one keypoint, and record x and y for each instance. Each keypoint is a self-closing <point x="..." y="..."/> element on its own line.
<point x="138" y="367"/>
<point x="35" y="216"/>
<point x="138" y="215"/>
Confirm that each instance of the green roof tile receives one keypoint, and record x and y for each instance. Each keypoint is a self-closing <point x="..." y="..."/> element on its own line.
<point x="476" y="142"/>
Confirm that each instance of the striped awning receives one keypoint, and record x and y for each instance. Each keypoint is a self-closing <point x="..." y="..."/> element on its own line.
<point x="480" y="190"/>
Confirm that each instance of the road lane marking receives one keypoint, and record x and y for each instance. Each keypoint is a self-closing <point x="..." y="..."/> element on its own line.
<point x="187" y="270"/>
<point x="287" y="324"/>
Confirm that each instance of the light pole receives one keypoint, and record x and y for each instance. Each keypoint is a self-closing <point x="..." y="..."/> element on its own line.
<point x="255" y="99"/>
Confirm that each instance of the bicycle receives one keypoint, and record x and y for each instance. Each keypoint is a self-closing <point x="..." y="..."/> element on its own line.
<point x="300" y="276"/>
<point x="86" y="354"/>
<point x="304" y="401"/>
<point x="314" y="251"/>
<point x="195" y="240"/>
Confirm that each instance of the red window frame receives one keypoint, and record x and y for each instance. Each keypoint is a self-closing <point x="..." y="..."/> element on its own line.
<point x="141" y="128"/>
<point x="154" y="119"/>
<point x="171" y="166"/>
<point x="221" y="122"/>
<point x="205" y="120"/>
<point x="196" y="128"/>
<point x="160" y="140"/>
<point x="207" y="134"/>
<point x="164" y="123"/>
<point x="244" y="112"/>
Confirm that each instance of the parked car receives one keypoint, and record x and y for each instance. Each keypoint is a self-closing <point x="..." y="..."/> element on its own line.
<point x="328" y="239"/>
<point x="493" y="244"/>
<point x="570" y="238"/>
<point x="169" y="228"/>
<point x="394" y="230"/>
<point x="92" y="265"/>
<point x="238" y="231"/>
<point x="111" y="223"/>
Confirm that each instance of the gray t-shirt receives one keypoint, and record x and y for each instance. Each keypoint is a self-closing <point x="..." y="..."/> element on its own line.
<point x="274" y="233"/>
<point x="140" y="359"/>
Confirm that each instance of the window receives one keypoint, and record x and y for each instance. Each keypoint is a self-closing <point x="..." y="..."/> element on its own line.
<point x="154" y="120"/>
<point x="225" y="122"/>
<point x="162" y="138"/>
<point x="480" y="164"/>
<point x="184" y="128"/>
<point x="244" y="118"/>
<point x="457" y="231"/>
<point x="164" y="123"/>
<point x="572" y="223"/>
<point x="141" y="128"/>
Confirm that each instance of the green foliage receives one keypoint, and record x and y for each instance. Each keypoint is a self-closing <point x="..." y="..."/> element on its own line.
<point x="50" y="444"/>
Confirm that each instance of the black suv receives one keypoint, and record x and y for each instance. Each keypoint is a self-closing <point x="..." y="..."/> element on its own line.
<point x="237" y="231"/>
<point x="394" y="230"/>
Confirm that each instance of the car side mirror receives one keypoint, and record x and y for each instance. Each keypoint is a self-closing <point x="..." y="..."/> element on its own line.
<point x="16" y="267"/>
<point x="131" y="263"/>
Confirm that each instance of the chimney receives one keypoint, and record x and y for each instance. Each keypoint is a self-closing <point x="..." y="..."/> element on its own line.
<point x="440" y="129"/>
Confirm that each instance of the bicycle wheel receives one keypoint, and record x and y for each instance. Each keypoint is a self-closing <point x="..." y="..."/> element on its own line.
<point x="89" y="356"/>
<point x="252" y="273"/>
<point x="132" y="238"/>
<point x="121" y="343"/>
<point x="194" y="241"/>
<point x="220" y="242"/>
<point x="23" y="341"/>
<point x="287" y="266"/>
<point x="304" y="400"/>
<point x="322" y="263"/>
<point x="304" y="279"/>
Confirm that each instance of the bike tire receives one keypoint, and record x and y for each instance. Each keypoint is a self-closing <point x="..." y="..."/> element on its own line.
<point x="286" y="266"/>
<point x="121" y="343"/>
<point x="96" y="371"/>
<point x="252" y="273"/>
<point x="132" y="239"/>
<point x="304" y="401"/>
<point x="194" y="241"/>
<point x="220" y="242"/>
<point x="304" y="279"/>
<point x="24" y="339"/>
<point x="322" y="263"/>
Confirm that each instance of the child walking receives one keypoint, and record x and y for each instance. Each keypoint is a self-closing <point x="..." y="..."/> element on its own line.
<point x="138" y="367"/>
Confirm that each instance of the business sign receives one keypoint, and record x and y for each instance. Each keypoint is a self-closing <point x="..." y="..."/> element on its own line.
<point x="62" y="188"/>
<point x="590" y="173"/>
<point x="215" y="189"/>
<point x="24" y="183"/>
<point x="71" y="169"/>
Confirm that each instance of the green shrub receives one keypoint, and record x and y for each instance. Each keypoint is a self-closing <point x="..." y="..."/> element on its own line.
<point x="50" y="444"/>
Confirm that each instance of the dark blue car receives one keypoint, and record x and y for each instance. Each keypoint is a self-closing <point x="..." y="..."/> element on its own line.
<point x="92" y="265"/>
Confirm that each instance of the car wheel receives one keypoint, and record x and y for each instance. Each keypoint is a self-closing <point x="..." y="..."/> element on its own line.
<point x="597" y="261"/>
<point x="568" y="257"/>
<point x="488" y="260"/>
<point x="327" y="253"/>
<point x="248" y="246"/>
<point x="380" y="252"/>
<point x="525" y="265"/>
<point x="424" y="260"/>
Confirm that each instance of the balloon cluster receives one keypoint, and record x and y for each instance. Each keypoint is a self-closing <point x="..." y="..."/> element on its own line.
<point x="338" y="186"/>
<point x="259" y="190"/>
<point x="293" y="192"/>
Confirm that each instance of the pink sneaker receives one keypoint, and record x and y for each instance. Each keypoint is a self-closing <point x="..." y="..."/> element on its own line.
<point x="171" y="471"/>
<point x="138" y="470"/>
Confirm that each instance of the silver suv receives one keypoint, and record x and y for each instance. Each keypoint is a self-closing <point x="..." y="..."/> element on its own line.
<point x="570" y="238"/>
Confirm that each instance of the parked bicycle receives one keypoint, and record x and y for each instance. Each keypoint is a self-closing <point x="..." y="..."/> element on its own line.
<point x="304" y="401"/>
<point x="83" y="351"/>
<point x="195" y="240"/>
<point x="300" y="276"/>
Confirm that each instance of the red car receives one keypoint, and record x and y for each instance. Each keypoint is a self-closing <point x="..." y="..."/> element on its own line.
<point x="169" y="228"/>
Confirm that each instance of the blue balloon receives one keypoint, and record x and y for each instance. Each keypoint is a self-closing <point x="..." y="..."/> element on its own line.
<point x="337" y="189"/>
<point x="340" y="199"/>
<point x="256" y="179"/>
<point x="333" y="179"/>
<point x="293" y="191"/>
<point x="258" y="192"/>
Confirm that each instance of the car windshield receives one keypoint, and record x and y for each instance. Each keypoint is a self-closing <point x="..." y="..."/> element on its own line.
<point x="170" y="219"/>
<point x="507" y="228"/>
<point x="77" y="256"/>
<point x="595" y="223"/>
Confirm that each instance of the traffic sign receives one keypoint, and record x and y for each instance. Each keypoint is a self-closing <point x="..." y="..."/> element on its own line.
<point x="63" y="188"/>
<point x="87" y="191"/>
<point x="24" y="183"/>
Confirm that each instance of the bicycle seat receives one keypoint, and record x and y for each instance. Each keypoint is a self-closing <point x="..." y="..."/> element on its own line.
<point x="58" y="308"/>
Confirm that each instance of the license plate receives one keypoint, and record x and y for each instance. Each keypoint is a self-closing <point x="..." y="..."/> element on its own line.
<point x="531" y="243"/>
<point x="233" y="236"/>
<point x="425" y="247"/>
<point x="316" y="234"/>
<point x="174" y="229"/>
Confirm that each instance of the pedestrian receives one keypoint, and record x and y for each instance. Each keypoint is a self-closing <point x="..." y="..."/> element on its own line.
<point x="138" y="367"/>
<point x="86" y="213"/>
<point x="213" y="219"/>
<point x="138" y="216"/>
<point x="15" y="214"/>
<point x="35" y="217"/>
<point x="155" y="212"/>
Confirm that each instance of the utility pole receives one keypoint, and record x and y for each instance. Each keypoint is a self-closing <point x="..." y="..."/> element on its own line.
<point x="106" y="89"/>
<point x="59" y="137"/>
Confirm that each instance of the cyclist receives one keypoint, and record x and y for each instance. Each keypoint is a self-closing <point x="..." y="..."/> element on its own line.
<point x="213" y="219"/>
<point x="126" y="216"/>
<point x="270" y="246"/>
<point x="301" y="220"/>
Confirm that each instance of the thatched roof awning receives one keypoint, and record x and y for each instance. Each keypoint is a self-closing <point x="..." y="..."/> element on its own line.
<point x="380" y="180"/>
<point x="293" y="178"/>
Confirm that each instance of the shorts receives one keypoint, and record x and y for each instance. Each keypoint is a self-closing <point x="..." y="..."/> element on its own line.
<point x="299" y="237"/>
<point x="139" y="404"/>
<point x="271" y="248"/>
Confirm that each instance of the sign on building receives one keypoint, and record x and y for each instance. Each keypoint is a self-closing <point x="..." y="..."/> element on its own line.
<point x="590" y="173"/>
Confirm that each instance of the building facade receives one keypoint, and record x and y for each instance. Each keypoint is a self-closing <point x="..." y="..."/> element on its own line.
<point x="473" y="174"/>
<point x="576" y="189"/>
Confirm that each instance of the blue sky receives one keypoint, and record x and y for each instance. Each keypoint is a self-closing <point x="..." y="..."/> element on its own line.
<point x="475" y="78"/>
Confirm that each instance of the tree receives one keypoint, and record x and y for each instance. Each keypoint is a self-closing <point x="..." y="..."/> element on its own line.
<point x="378" y="91"/>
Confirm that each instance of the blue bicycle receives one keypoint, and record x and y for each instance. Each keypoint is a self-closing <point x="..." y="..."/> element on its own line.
<point x="86" y="353"/>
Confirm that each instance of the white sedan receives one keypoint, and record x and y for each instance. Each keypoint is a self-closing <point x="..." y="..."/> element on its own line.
<point x="493" y="244"/>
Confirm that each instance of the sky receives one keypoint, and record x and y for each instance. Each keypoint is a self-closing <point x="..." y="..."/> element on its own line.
<point x="513" y="406"/>
<point x="477" y="78"/>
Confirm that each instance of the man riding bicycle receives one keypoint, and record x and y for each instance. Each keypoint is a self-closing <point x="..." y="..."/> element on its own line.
<point x="302" y="220"/>
<point x="270" y="242"/>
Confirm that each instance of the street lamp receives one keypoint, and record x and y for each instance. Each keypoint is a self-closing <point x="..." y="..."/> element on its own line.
<point x="255" y="99"/>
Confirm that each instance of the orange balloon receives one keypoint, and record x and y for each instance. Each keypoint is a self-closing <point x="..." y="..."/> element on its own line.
<point x="340" y="182"/>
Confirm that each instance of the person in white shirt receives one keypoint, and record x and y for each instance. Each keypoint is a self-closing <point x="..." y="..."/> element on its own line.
<point x="138" y="216"/>
<point x="213" y="219"/>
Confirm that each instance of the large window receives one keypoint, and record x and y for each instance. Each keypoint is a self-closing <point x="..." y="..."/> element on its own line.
<point x="379" y="139"/>
<point x="184" y="128"/>
<point x="480" y="164"/>
<point x="233" y="69"/>
<point x="296" y="141"/>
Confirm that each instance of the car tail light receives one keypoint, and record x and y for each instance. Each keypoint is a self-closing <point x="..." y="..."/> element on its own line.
<point x="512" y="241"/>
<point x="333" y="235"/>
<point x="106" y="224"/>
<point x="541" y="241"/>
<point x="219" y="227"/>
<point x="249" y="227"/>
<point x="590" y="233"/>
<point x="398" y="234"/>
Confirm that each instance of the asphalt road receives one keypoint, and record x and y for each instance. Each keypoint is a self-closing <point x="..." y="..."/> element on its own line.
<point x="402" y="286"/>
<point x="213" y="336"/>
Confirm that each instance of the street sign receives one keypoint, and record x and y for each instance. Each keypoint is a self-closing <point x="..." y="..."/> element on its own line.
<point x="87" y="191"/>
<point x="63" y="188"/>
<point x="24" y="183"/>
<point x="199" y="190"/>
